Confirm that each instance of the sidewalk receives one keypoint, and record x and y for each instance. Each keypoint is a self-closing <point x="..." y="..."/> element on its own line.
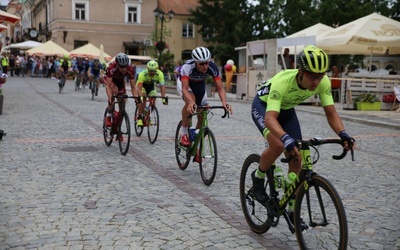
<point x="389" y="119"/>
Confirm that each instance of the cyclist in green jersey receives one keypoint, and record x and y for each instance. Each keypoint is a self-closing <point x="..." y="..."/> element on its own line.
<point x="274" y="115"/>
<point x="146" y="86"/>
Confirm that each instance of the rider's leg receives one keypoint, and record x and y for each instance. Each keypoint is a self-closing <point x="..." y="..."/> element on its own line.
<point x="97" y="85"/>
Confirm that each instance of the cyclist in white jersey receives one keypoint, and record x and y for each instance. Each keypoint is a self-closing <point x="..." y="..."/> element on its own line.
<point x="192" y="87"/>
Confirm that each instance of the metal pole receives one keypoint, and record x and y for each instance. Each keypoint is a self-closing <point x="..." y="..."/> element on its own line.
<point x="161" y="40"/>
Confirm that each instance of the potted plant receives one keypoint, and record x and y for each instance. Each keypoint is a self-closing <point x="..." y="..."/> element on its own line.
<point x="368" y="101"/>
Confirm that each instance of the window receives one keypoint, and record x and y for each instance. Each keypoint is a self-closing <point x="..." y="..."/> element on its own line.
<point x="132" y="13"/>
<point x="188" y="30"/>
<point x="81" y="10"/>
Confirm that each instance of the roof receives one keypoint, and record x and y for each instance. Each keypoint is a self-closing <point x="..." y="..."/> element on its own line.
<point x="180" y="7"/>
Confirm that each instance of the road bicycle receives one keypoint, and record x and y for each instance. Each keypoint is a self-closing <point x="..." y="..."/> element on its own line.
<point x="121" y="126"/>
<point x="150" y="118"/>
<point x="92" y="86"/>
<point x="61" y="82"/>
<point x="316" y="201"/>
<point x="203" y="147"/>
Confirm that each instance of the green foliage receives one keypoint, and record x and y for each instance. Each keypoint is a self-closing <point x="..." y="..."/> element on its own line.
<point x="226" y="24"/>
<point x="367" y="97"/>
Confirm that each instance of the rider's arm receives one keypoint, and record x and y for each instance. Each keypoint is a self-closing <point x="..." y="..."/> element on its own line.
<point x="334" y="120"/>
<point x="186" y="94"/>
<point x="161" y="81"/>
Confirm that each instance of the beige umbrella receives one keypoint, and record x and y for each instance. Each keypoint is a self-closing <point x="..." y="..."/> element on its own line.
<point x="48" y="48"/>
<point x="372" y="34"/>
<point x="23" y="45"/>
<point x="90" y="51"/>
<point x="9" y="18"/>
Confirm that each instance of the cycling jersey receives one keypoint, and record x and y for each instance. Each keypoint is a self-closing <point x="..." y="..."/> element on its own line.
<point x="197" y="79"/>
<point x="80" y="67"/>
<point x="149" y="82"/>
<point x="118" y="77"/>
<point x="282" y="91"/>
<point x="95" y="69"/>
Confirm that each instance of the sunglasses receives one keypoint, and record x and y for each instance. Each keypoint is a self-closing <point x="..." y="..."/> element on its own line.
<point x="204" y="63"/>
<point x="152" y="71"/>
<point x="313" y="76"/>
<point x="122" y="67"/>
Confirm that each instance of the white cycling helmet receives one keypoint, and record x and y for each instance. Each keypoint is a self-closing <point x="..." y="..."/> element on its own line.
<point x="122" y="60"/>
<point x="201" y="54"/>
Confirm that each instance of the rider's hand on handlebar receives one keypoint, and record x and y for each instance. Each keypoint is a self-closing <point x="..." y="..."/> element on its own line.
<point x="138" y="100"/>
<point x="191" y="107"/>
<point x="289" y="143"/>
<point x="228" y="108"/>
<point x="348" y="141"/>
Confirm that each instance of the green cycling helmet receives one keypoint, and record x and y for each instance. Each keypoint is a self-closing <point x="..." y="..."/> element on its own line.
<point x="313" y="59"/>
<point x="152" y="65"/>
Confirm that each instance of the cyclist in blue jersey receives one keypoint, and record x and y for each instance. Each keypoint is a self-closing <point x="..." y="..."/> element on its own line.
<point x="192" y="87"/>
<point x="79" y="70"/>
<point x="275" y="117"/>
<point x="94" y="73"/>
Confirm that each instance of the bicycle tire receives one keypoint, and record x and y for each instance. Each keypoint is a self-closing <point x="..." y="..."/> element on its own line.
<point x="93" y="89"/>
<point x="209" y="157"/>
<point x="138" y="129"/>
<point x="153" y="124"/>
<point x="124" y="132"/>
<point x="107" y="131"/>
<point x="60" y="87"/>
<point x="76" y="84"/>
<point x="181" y="153"/>
<point x="322" y="210"/>
<point x="255" y="213"/>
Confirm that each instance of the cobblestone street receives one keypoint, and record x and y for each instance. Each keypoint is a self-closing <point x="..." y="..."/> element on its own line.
<point x="63" y="188"/>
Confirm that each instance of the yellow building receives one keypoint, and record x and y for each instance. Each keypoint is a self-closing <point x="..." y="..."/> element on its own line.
<point x="120" y="25"/>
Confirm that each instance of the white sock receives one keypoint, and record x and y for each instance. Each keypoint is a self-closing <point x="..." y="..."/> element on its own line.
<point x="184" y="130"/>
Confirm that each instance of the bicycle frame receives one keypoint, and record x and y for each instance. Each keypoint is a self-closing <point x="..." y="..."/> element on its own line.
<point x="304" y="177"/>
<point x="204" y="125"/>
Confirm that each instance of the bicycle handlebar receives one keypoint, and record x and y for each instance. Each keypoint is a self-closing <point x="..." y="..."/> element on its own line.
<point x="226" y="112"/>
<point x="125" y="96"/>
<point x="304" y="144"/>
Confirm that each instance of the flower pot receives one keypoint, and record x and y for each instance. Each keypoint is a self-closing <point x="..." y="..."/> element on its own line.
<point x="369" y="106"/>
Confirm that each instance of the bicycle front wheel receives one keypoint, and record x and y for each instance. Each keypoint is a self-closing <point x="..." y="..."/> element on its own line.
<point x="107" y="131"/>
<point x="209" y="157"/>
<point x="76" y="84"/>
<point x="93" y="88"/>
<point x="318" y="204"/>
<point x="124" y="133"/>
<point x="181" y="152"/>
<point x="153" y="125"/>
<point x="138" y="129"/>
<point x="255" y="213"/>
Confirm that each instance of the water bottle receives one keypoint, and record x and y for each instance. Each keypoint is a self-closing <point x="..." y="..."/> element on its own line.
<point x="146" y="110"/>
<point x="192" y="134"/>
<point x="291" y="177"/>
<point x="279" y="178"/>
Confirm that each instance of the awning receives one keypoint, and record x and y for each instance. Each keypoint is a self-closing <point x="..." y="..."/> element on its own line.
<point x="131" y="45"/>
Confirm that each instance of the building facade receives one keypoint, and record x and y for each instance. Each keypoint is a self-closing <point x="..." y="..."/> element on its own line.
<point x="128" y="26"/>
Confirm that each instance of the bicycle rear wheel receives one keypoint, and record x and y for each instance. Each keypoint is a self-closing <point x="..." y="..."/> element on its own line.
<point x="181" y="153"/>
<point x="124" y="133"/>
<point x="209" y="157"/>
<point x="138" y="129"/>
<point x="153" y="125"/>
<point x="322" y="210"/>
<point x="255" y="213"/>
<point x="107" y="131"/>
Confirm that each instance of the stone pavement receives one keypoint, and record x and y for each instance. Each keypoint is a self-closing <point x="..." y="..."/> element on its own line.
<point x="61" y="187"/>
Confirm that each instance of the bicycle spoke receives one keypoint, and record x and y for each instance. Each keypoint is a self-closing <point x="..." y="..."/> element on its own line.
<point x="107" y="133"/>
<point x="209" y="159"/>
<point x="321" y="209"/>
<point x="124" y="133"/>
<point x="138" y="129"/>
<point x="181" y="153"/>
<point x="255" y="213"/>
<point x="153" y="125"/>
